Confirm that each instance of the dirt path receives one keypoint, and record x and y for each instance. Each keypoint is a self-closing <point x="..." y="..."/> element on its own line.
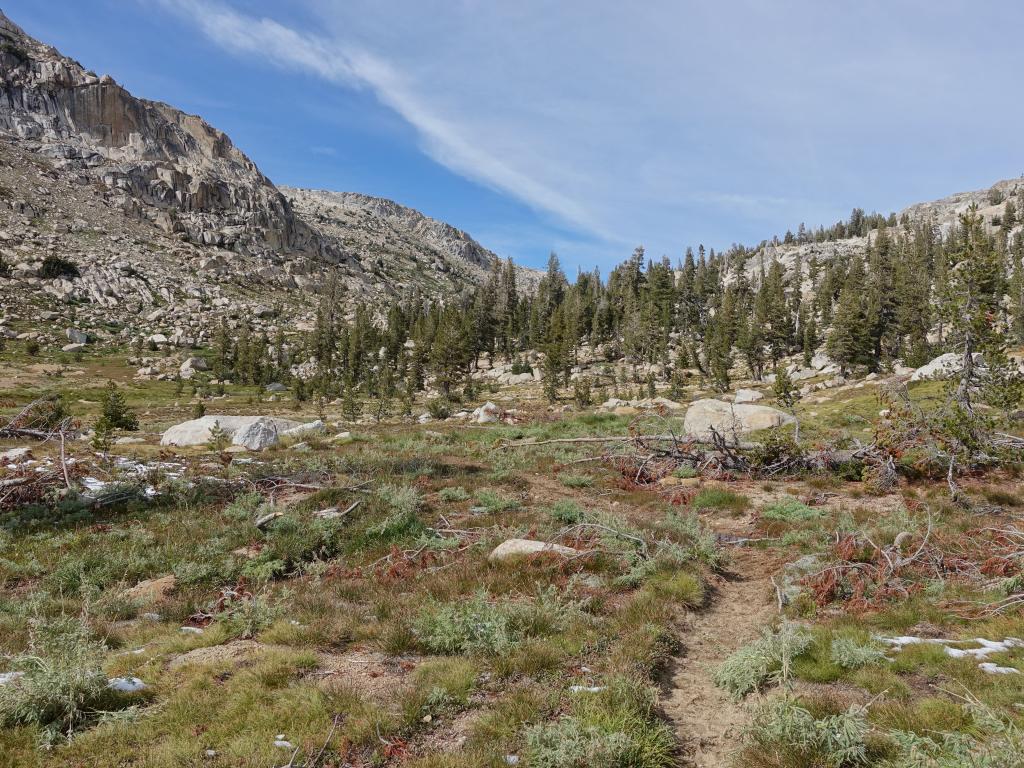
<point x="708" y="723"/>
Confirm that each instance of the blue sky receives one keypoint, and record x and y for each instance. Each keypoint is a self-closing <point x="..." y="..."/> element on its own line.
<point x="585" y="127"/>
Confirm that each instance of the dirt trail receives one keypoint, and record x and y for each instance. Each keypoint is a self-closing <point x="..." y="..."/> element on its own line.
<point x="708" y="723"/>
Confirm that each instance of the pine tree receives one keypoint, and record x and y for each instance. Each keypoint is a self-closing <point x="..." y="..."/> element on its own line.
<point x="971" y="304"/>
<point x="849" y="342"/>
<point x="450" y="351"/>
<point x="115" y="413"/>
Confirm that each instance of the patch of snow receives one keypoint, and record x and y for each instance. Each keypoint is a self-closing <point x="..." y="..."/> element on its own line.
<point x="9" y="677"/>
<point x="995" y="669"/>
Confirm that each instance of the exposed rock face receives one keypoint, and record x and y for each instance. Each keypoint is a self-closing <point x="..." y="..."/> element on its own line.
<point x="395" y="242"/>
<point x="730" y="419"/>
<point x="253" y="432"/>
<point x="159" y="163"/>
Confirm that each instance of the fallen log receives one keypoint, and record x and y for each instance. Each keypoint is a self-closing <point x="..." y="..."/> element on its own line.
<point x="530" y="442"/>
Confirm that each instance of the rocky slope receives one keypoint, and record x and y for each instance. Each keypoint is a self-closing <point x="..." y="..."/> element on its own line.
<point x="166" y="219"/>
<point x="943" y="214"/>
<point x="396" y="244"/>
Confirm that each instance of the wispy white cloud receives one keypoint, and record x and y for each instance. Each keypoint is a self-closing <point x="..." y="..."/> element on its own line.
<point x="346" y="64"/>
<point x="667" y="122"/>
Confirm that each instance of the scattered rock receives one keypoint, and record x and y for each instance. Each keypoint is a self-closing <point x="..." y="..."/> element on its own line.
<point x="191" y="365"/>
<point x="748" y="396"/>
<point x="268" y="518"/>
<point x="487" y="413"/>
<point x="233" y="652"/>
<point x="76" y="336"/>
<point x="151" y="590"/>
<point x="513" y="548"/>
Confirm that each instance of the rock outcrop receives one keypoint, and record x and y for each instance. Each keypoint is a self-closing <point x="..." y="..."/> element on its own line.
<point x="155" y="162"/>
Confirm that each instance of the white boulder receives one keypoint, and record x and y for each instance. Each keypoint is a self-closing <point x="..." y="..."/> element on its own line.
<point x="242" y="430"/>
<point x="614" y="402"/>
<point x="309" y="428"/>
<point x="729" y="419"/>
<point x="513" y="548"/>
<point x="488" y="413"/>
<point x="943" y="367"/>
<point x="256" y="436"/>
<point x="189" y="368"/>
<point x="748" y="396"/>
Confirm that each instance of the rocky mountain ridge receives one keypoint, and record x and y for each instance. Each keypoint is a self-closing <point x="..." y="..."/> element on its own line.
<point x="943" y="214"/>
<point x="164" y="218"/>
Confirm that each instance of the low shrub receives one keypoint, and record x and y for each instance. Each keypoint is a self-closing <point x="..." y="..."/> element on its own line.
<point x="576" y="481"/>
<point x="719" y="498"/>
<point x="614" y="728"/>
<point x="765" y="661"/>
<point x="492" y="502"/>
<point x="479" y="625"/>
<point x="453" y="494"/>
<point x="777" y="448"/>
<point x="403" y="521"/>
<point x="850" y="654"/>
<point x="567" y="512"/>
<point x="439" y="408"/>
<point x="245" y="617"/>
<point x="834" y="740"/>
<point x="54" y="267"/>
<point x="790" y="511"/>
<point x="62" y="686"/>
